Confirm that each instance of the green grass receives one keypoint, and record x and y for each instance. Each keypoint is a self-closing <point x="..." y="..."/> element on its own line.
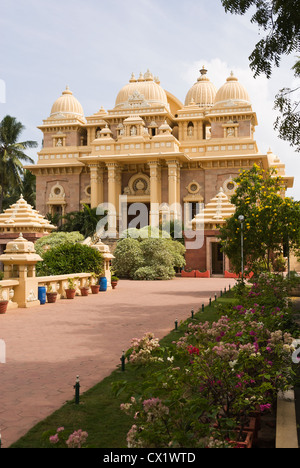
<point x="99" y="410"/>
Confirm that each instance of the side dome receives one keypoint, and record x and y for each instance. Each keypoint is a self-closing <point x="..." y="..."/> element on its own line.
<point x="203" y="92"/>
<point x="232" y="91"/>
<point x="67" y="105"/>
<point x="144" y="91"/>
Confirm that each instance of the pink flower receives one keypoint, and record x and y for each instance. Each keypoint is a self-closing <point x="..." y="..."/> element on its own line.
<point x="265" y="407"/>
<point x="54" y="439"/>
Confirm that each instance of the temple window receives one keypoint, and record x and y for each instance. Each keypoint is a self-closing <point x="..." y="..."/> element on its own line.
<point x="190" y="129"/>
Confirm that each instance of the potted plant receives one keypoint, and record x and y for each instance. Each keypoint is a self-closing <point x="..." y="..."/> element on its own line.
<point x="96" y="286"/>
<point x="71" y="291"/>
<point x="51" y="294"/>
<point x="3" y="303"/>
<point x="85" y="289"/>
<point x="114" y="281"/>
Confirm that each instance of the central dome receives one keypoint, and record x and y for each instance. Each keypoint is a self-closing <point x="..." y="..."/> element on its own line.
<point x="203" y="92"/>
<point x="145" y="89"/>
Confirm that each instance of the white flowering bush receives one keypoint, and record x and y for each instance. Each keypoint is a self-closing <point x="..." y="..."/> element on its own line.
<point x="143" y="350"/>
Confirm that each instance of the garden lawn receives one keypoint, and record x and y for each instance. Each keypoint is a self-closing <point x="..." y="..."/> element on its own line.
<point x="99" y="412"/>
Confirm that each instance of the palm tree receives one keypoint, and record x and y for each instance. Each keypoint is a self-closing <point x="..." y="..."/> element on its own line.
<point x="28" y="187"/>
<point x="11" y="156"/>
<point x="84" y="221"/>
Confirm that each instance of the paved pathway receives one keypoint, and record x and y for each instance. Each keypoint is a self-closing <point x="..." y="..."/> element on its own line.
<point x="47" y="346"/>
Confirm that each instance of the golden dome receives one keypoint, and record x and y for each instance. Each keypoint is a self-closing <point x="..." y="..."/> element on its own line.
<point x="141" y="90"/>
<point x="67" y="105"/>
<point x="203" y="92"/>
<point x="232" y="91"/>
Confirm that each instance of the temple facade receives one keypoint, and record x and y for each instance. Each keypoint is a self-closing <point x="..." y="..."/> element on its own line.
<point x="152" y="149"/>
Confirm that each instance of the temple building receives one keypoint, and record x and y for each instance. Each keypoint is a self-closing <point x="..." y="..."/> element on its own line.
<point x="154" y="150"/>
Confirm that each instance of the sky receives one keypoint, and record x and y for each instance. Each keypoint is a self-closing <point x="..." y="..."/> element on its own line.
<point x="93" y="46"/>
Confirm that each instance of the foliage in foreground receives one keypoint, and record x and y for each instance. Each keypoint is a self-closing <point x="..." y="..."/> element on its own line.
<point x="213" y="378"/>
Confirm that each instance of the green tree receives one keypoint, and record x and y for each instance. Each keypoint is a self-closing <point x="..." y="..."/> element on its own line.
<point x="280" y="21"/>
<point x="270" y="220"/>
<point x="84" y="221"/>
<point x="288" y="122"/>
<point x="12" y="154"/>
<point x="28" y="187"/>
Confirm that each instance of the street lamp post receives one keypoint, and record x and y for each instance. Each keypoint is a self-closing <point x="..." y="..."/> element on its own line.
<point x="241" y="220"/>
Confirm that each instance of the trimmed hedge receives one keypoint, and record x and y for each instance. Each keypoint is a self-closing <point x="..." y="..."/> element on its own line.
<point x="70" y="258"/>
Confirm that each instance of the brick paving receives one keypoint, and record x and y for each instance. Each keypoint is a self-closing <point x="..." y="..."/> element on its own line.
<point x="47" y="346"/>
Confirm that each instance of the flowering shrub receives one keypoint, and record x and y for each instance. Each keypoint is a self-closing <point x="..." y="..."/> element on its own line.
<point x="216" y="375"/>
<point x="142" y="350"/>
<point x="75" y="440"/>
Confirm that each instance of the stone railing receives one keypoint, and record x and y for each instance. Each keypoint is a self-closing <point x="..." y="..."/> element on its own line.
<point x="21" y="283"/>
<point x="8" y="292"/>
<point x="59" y="283"/>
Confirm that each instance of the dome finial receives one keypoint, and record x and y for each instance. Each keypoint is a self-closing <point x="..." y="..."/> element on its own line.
<point x="148" y="76"/>
<point x="67" y="90"/>
<point x="203" y="76"/>
<point x="232" y="77"/>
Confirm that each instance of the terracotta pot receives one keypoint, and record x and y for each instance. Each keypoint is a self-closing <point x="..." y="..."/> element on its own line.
<point x="70" y="293"/>
<point x="84" y="291"/>
<point x="188" y="274"/>
<point x="3" y="306"/>
<point x="114" y="284"/>
<point x="246" y="442"/>
<point x="51" y="297"/>
<point x="95" y="288"/>
<point x="202" y="274"/>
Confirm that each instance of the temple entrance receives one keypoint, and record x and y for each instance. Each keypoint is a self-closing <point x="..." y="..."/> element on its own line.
<point x="138" y="215"/>
<point x="217" y="259"/>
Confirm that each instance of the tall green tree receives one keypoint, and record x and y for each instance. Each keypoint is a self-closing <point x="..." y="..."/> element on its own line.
<point x="84" y="221"/>
<point x="279" y="27"/>
<point x="270" y="220"/>
<point x="28" y="187"/>
<point x="12" y="155"/>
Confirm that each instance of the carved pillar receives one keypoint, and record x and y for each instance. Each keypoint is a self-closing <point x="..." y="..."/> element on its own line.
<point x="96" y="184"/>
<point x="155" y="192"/>
<point x="185" y="131"/>
<point x="173" y="172"/>
<point x="114" y="191"/>
<point x="178" y="184"/>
